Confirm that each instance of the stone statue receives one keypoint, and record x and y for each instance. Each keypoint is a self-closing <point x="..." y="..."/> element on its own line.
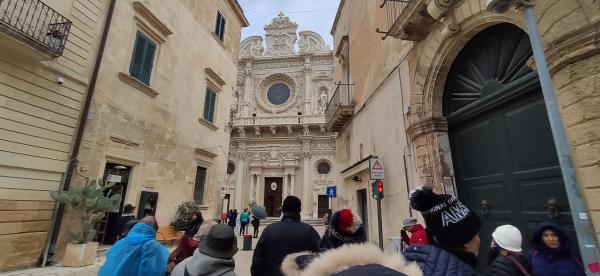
<point x="323" y="100"/>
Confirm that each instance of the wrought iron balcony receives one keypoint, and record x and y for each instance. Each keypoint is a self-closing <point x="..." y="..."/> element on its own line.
<point x="407" y="19"/>
<point x="340" y="108"/>
<point x="35" y="24"/>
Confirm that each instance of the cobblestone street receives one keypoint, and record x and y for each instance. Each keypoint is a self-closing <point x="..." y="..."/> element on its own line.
<point x="243" y="261"/>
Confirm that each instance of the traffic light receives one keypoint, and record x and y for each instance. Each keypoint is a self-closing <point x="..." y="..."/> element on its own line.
<point x="377" y="189"/>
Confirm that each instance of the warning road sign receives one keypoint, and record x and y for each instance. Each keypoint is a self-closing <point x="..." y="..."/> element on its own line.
<point x="376" y="168"/>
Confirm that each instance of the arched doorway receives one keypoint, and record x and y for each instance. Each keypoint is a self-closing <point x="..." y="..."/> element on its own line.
<point x="503" y="153"/>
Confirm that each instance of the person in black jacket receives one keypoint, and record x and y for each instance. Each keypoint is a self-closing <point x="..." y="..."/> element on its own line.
<point x="255" y="224"/>
<point x="453" y="235"/>
<point x="282" y="238"/>
<point x="506" y="257"/>
<point x="192" y="229"/>
<point x="125" y="217"/>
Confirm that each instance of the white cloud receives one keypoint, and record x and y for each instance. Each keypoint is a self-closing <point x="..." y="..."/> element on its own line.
<point x="313" y="15"/>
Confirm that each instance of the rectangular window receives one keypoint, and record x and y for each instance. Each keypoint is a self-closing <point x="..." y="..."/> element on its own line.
<point x="142" y="58"/>
<point x="199" y="185"/>
<point x="220" y="26"/>
<point x="209" y="105"/>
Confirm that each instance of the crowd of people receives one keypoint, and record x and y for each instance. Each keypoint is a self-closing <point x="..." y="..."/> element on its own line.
<point x="448" y="244"/>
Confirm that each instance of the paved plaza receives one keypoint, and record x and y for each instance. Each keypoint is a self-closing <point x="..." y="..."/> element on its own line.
<point x="243" y="261"/>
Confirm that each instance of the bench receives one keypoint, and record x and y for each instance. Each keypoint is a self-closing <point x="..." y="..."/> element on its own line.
<point x="168" y="233"/>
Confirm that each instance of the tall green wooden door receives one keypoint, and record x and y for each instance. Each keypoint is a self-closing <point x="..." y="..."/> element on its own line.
<point x="504" y="158"/>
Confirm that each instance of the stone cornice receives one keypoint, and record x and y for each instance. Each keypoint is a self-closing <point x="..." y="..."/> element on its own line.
<point x="205" y="152"/>
<point x="427" y="126"/>
<point x="294" y="57"/>
<point x="126" y="78"/>
<point x="147" y="21"/>
<point x="239" y="12"/>
<point x="124" y="141"/>
<point x="214" y="78"/>
<point x="573" y="46"/>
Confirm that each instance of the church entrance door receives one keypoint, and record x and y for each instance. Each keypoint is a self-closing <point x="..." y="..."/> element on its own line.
<point x="273" y="195"/>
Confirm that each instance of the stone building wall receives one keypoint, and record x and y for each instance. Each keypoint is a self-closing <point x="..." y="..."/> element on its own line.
<point x="569" y="31"/>
<point x="158" y="130"/>
<point x="38" y="122"/>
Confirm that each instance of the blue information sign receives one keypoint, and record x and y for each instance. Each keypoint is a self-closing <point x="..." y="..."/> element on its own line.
<point x="331" y="191"/>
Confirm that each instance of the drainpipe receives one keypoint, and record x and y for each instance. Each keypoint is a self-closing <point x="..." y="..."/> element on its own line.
<point x="72" y="165"/>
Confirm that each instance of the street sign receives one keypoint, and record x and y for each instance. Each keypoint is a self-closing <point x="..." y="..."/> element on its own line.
<point x="331" y="191"/>
<point x="376" y="168"/>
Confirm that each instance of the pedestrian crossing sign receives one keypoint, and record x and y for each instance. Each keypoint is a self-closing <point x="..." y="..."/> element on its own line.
<point x="331" y="191"/>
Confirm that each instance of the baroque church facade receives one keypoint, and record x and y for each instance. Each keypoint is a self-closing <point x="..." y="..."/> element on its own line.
<point x="279" y="143"/>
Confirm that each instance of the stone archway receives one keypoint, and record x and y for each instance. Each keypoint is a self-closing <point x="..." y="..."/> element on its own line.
<point x="428" y="128"/>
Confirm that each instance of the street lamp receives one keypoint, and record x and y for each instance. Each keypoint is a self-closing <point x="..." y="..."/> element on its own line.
<point x="581" y="221"/>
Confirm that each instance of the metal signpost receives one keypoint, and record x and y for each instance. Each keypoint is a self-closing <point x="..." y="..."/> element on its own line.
<point x="377" y="173"/>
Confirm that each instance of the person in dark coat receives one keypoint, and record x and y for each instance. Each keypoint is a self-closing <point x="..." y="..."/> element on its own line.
<point x="506" y="257"/>
<point x="282" y="238"/>
<point x="125" y="217"/>
<point x="552" y="254"/>
<point x="232" y="216"/>
<point x="197" y="220"/>
<point x="255" y="224"/>
<point x="453" y="235"/>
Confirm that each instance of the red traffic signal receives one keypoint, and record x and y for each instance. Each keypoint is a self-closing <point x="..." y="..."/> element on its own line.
<point x="377" y="189"/>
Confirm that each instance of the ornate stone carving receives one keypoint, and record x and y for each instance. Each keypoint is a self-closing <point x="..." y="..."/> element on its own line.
<point x="311" y="42"/>
<point x="322" y="75"/>
<point x="281" y="36"/>
<point x="257" y="132"/>
<point x="305" y="130"/>
<point x="322" y="129"/>
<point x="252" y="47"/>
<point x="273" y="130"/>
<point x="266" y="83"/>
<point x="290" y="130"/>
<point x="242" y="132"/>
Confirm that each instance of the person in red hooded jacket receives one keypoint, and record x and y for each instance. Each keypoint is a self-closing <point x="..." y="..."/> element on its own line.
<point x="418" y="233"/>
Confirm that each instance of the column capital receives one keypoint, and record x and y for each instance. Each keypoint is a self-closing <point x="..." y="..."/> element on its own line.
<point x="426" y="126"/>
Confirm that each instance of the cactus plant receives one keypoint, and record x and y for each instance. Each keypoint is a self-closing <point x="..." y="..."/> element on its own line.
<point x="90" y="203"/>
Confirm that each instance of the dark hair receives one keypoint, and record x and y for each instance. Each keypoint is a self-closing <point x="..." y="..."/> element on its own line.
<point x="128" y="208"/>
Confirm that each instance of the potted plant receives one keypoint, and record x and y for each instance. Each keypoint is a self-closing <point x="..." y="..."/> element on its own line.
<point x="89" y="203"/>
<point x="183" y="215"/>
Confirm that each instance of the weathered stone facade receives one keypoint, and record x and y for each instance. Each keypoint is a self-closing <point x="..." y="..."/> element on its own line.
<point x="41" y="99"/>
<point x="157" y="131"/>
<point x="281" y="138"/>
<point x="410" y="74"/>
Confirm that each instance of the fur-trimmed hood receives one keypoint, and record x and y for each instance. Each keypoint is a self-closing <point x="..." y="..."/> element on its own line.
<point x="342" y="258"/>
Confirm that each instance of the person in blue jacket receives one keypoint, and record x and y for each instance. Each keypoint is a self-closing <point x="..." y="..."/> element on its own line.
<point x="551" y="252"/>
<point x="138" y="254"/>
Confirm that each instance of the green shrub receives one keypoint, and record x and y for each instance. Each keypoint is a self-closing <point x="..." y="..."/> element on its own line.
<point x="183" y="215"/>
<point x="89" y="204"/>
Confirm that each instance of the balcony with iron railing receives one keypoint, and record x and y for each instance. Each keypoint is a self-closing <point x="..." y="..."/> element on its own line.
<point x="407" y="19"/>
<point x="34" y="24"/>
<point x="340" y="108"/>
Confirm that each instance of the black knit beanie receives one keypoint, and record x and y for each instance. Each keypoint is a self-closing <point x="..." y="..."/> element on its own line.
<point x="450" y="221"/>
<point x="291" y="204"/>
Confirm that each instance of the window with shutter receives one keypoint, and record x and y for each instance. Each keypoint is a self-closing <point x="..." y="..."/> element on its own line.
<point x="209" y="105"/>
<point x="199" y="185"/>
<point x="142" y="58"/>
<point x="220" y="26"/>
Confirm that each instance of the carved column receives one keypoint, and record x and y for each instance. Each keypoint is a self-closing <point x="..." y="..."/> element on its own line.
<point x="248" y="88"/>
<point x="292" y="186"/>
<point x="285" y="186"/>
<point x="252" y="184"/>
<point x="307" y="85"/>
<point x="306" y="185"/>
<point x="239" y="184"/>
<point x="431" y="149"/>
<point x="257" y="189"/>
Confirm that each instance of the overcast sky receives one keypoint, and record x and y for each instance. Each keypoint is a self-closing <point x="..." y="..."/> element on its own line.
<point x="311" y="15"/>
